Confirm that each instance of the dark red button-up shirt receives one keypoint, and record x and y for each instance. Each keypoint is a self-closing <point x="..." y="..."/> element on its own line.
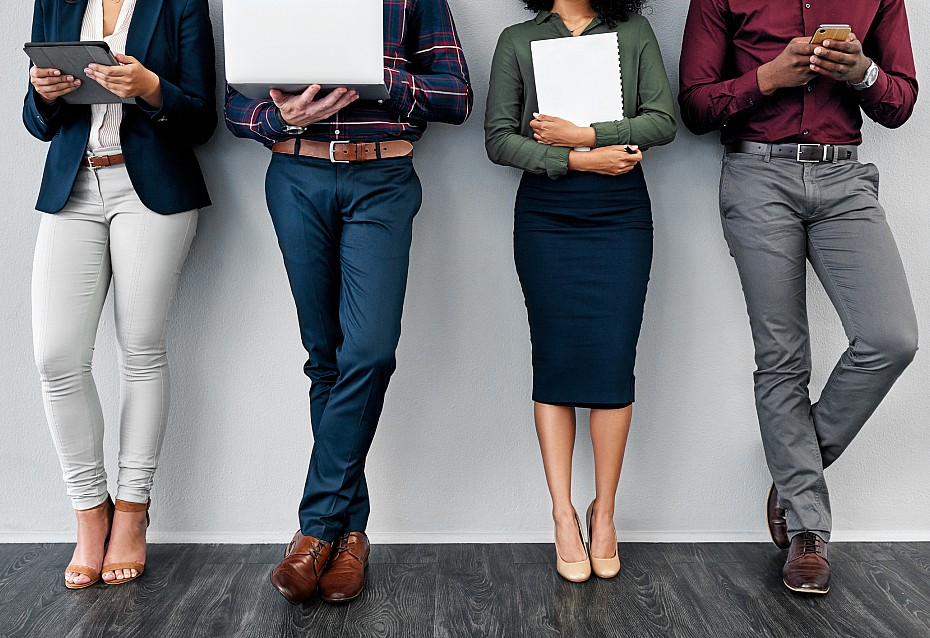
<point x="727" y="40"/>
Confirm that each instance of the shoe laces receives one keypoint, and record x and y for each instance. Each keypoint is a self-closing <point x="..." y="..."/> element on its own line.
<point x="809" y="543"/>
<point x="343" y="546"/>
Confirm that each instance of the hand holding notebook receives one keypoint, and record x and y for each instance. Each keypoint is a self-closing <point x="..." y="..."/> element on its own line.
<point x="579" y="79"/>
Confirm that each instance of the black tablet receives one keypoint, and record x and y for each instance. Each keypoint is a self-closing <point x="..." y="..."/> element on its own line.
<point x="71" y="58"/>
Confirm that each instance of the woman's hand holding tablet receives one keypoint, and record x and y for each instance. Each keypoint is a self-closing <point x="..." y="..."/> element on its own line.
<point x="129" y="79"/>
<point x="50" y="84"/>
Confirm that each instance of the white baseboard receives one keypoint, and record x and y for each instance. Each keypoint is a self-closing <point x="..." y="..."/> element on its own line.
<point x="390" y="538"/>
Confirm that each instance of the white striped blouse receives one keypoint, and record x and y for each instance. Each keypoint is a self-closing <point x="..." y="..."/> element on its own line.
<point x="106" y="118"/>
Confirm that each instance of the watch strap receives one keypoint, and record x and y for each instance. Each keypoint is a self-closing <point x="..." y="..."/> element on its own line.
<point x="871" y="77"/>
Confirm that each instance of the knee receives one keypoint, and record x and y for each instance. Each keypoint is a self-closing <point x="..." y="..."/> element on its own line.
<point x="369" y="356"/>
<point x="59" y="360"/>
<point x="140" y="362"/>
<point x="892" y="349"/>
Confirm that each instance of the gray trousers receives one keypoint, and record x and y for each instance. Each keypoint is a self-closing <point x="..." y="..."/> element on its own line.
<point x="778" y="214"/>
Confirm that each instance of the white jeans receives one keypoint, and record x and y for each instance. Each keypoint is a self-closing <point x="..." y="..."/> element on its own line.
<point x="105" y="232"/>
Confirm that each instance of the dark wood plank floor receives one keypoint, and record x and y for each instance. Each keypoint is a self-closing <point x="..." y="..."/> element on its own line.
<point x="460" y="591"/>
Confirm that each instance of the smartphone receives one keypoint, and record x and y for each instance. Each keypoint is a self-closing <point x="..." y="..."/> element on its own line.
<point x="837" y="32"/>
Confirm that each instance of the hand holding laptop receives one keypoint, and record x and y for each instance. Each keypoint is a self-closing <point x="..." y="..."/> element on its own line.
<point x="304" y="109"/>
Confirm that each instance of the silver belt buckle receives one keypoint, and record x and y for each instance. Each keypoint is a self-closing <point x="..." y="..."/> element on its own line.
<point x="332" y="152"/>
<point x="90" y="162"/>
<point x="812" y="161"/>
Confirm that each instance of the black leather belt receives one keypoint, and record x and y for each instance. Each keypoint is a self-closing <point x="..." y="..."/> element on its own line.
<point x="805" y="153"/>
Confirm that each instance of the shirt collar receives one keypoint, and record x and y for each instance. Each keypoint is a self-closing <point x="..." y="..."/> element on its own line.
<point x="544" y="16"/>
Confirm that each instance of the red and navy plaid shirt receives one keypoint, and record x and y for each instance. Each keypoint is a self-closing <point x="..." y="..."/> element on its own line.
<point x="425" y="72"/>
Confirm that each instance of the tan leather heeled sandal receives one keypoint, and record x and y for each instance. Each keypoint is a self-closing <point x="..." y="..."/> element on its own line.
<point x="602" y="567"/>
<point x="126" y="506"/>
<point x="84" y="570"/>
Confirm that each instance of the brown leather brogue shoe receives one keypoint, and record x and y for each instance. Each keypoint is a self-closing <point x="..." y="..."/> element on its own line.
<point x="775" y="516"/>
<point x="296" y="576"/>
<point x="344" y="578"/>
<point x="807" y="569"/>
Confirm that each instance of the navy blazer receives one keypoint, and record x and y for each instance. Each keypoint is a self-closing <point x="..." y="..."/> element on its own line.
<point x="172" y="38"/>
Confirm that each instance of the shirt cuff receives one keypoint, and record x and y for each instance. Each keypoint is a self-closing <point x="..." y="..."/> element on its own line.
<point x="275" y="121"/>
<point x="557" y="161"/>
<point x="746" y="90"/>
<point x="873" y="95"/>
<point x="611" y="133"/>
<point x="47" y="111"/>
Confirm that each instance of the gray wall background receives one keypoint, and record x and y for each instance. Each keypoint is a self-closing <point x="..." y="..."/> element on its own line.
<point x="456" y="457"/>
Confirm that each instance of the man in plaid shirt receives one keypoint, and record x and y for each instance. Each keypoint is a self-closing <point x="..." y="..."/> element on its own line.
<point x="342" y="193"/>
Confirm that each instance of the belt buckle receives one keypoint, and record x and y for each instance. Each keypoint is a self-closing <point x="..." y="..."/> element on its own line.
<point x="332" y="152"/>
<point x="812" y="161"/>
<point x="90" y="162"/>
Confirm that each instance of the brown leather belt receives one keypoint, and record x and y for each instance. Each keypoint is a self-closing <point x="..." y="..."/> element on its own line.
<point x="804" y="153"/>
<point x="102" y="161"/>
<point x="345" y="152"/>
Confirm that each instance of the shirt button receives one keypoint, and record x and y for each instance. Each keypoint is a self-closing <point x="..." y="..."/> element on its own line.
<point x="810" y="89"/>
<point x="337" y="131"/>
<point x="380" y="101"/>
<point x="807" y="6"/>
<point x="806" y="132"/>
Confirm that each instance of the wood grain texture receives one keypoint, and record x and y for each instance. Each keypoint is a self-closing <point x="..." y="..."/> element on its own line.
<point x="456" y="591"/>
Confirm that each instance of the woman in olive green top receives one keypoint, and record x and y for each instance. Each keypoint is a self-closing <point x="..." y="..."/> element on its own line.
<point x="583" y="251"/>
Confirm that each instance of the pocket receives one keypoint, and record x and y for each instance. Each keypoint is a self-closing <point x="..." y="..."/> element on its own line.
<point x="724" y="198"/>
<point x="874" y="176"/>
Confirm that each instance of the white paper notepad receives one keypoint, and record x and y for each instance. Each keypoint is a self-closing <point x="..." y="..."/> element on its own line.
<point x="579" y="79"/>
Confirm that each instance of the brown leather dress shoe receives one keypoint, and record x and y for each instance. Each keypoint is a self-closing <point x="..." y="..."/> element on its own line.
<point x="775" y="516"/>
<point x="344" y="578"/>
<point x="296" y="576"/>
<point x="807" y="570"/>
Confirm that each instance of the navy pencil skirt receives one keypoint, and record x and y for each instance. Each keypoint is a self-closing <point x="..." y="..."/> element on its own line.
<point x="583" y="251"/>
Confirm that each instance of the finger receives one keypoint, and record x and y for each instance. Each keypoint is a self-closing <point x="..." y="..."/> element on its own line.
<point x="834" y="56"/>
<point x="57" y="94"/>
<point x="37" y="72"/>
<point x="328" y="102"/>
<point x="343" y="102"/>
<point x="110" y="71"/>
<point x="125" y="59"/>
<point x="545" y="118"/>
<point x="52" y="81"/>
<point x="826" y="65"/>
<point x="835" y="47"/>
<point x="826" y="73"/>
<point x="310" y="93"/>
<point x="278" y="97"/>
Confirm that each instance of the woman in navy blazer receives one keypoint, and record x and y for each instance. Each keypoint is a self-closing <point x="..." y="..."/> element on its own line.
<point x="122" y="189"/>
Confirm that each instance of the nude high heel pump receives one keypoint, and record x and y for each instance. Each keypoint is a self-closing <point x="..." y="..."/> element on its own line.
<point x="125" y="506"/>
<point x="602" y="567"/>
<point x="574" y="572"/>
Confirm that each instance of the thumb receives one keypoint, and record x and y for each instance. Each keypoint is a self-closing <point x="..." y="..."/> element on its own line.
<point x="125" y="59"/>
<point x="278" y="97"/>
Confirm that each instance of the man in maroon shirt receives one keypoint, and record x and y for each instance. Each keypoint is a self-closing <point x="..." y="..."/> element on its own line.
<point x="792" y="190"/>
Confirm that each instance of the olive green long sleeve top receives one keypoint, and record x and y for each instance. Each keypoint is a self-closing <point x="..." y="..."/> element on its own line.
<point x="648" y="107"/>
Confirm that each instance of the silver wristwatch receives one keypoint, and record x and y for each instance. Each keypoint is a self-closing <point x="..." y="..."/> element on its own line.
<point x="871" y="76"/>
<point x="289" y="128"/>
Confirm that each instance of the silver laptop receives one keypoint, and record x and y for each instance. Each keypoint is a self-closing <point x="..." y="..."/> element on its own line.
<point x="291" y="44"/>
